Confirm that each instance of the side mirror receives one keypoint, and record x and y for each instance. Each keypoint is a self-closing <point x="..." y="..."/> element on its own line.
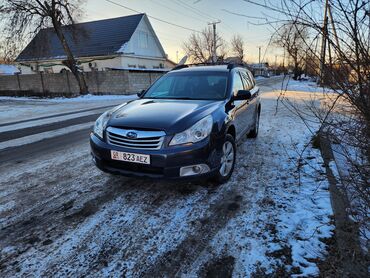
<point x="243" y="95"/>
<point x="141" y="93"/>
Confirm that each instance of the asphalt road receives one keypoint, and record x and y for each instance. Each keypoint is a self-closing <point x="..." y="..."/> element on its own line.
<point x="27" y="152"/>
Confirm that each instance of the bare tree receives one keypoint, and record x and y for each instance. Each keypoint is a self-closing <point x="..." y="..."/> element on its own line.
<point x="238" y="47"/>
<point x="199" y="46"/>
<point x="293" y="38"/>
<point x="338" y="49"/>
<point x="9" y="49"/>
<point x="25" y="18"/>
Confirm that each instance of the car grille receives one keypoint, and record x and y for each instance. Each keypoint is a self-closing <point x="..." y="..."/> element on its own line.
<point x="135" y="139"/>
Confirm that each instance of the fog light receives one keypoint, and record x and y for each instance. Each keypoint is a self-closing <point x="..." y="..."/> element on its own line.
<point x="194" y="170"/>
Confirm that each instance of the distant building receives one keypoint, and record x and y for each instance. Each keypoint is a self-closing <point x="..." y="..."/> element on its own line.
<point x="261" y="69"/>
<point x="119" y="43"/>
<point x="8" y="69"/>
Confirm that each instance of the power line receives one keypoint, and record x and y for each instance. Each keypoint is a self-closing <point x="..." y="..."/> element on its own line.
<point x="201" y="14"/>
<point x="243" y="15"/>
<point x="195" y="10"/>
<point x="152" y="17"/>
<point x="176" y="11"/>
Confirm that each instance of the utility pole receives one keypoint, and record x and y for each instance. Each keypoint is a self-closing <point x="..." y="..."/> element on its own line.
<point x="334" y="31"/>
<point x="259" y="59"/>
<point x="324" y="39"/>
<point x="177" y="56"/>
<point x="214" y="54"/>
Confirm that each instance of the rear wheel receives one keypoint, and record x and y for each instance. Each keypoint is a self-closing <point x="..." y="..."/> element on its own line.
<point x="254" y="132"/>
<point x="227" y="160"/>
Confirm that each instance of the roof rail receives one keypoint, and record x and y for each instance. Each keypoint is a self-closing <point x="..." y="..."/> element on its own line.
<point x="180" y="67"/>
<point x="230" y="66"/>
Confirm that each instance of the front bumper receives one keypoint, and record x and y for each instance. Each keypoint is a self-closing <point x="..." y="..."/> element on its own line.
<point x="165" y="163"/>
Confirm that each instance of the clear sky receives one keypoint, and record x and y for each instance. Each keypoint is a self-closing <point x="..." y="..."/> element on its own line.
<point x="193" y="14"/>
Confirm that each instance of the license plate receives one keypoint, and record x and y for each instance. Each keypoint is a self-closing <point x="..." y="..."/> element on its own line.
<point x="130" y="157"/>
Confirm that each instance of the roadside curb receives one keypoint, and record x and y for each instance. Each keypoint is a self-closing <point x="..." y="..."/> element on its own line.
<point x="346" y="232"/>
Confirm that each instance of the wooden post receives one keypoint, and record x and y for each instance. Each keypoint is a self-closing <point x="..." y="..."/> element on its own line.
<point x="323" y="43"/>
<point x="97" y="82"/>
<point x="42" y="83"/>
<point x="68" y="83"/>
<point x="19" y="82"/>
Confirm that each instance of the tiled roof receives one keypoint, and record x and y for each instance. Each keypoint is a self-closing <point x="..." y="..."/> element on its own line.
<point x="95" y="38"/>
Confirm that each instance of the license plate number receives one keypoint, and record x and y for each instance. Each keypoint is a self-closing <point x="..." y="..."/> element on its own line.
<point x="130" y="157"/>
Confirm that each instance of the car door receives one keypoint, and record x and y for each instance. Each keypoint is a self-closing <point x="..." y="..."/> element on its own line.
<point x="240" y="107"/>
<point x="251" y="109"/>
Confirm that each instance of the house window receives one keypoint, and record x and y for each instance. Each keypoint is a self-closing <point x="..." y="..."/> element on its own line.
<point x="142" y="67"/>
<point x="131" y="66"/>
<point x="143" y="39"/>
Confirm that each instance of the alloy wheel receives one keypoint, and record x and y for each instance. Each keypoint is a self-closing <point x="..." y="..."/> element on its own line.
<point x="227" y="159"/>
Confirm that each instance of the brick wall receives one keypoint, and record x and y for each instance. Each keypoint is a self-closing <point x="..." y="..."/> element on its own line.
<point x="65" y="84"/>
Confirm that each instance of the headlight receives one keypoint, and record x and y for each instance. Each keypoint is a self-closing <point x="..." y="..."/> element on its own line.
<point x="196" y="133"/>
<point x="101" y="123"/>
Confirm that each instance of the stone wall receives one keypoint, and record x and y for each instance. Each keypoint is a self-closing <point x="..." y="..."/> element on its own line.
<point x="64" y="84"/>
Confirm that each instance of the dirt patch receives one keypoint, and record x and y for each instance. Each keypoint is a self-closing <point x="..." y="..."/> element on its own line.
<point x="219" y="268"/>
<point x="352" y="261"/>
<point x="284" y="254"/>
<point x="177" y="261"/>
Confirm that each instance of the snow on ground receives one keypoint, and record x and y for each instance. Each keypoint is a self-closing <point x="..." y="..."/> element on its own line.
<point x="8" y="69"/>
<point x="341" y="167"/>
<point x="345" y="156"/>
<point x="18" y="108"/>
<point x="60" y="216"/>
<point x="83" y="98"/>
<point x="260" y="77"/>
<point x="288" y="217"/>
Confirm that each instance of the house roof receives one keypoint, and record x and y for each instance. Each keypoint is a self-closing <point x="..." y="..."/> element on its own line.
<point x="95" y="38"/>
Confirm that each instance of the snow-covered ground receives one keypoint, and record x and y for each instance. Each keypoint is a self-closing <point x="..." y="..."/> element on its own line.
<point x="8" y="69"/>
<point x="14" y="109"/>
<point x="60" y="216"/>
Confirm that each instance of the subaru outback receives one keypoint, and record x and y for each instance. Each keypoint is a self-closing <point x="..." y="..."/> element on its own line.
<point x="186" y="125"/>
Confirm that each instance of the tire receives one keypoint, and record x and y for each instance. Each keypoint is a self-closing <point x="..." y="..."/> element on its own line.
<point x="225" y="171"/>
<point x="254" y="132"/>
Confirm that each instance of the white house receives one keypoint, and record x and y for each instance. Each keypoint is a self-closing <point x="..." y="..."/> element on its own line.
<point x="118" y="43"/>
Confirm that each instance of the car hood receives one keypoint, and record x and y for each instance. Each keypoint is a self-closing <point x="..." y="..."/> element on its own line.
<point x="171" y="116"/>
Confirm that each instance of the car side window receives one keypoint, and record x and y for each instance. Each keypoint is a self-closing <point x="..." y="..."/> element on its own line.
<point x="251" y="77"/>
<point x="237" y="83"/>
<point x="247" y="81"/>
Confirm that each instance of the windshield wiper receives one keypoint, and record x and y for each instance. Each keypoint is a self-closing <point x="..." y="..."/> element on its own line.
<point x="186" y="98"/>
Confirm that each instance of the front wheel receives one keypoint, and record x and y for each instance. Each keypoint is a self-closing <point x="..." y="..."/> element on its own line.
<point x="227" y="160"/>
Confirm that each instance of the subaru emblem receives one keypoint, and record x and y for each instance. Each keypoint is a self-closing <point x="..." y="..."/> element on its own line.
<point x="131" y="135"/>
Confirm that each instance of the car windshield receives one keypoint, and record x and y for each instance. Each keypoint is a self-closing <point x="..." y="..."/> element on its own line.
<point x="190" y="85"/>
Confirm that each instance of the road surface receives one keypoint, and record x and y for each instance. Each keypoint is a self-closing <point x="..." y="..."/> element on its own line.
<point x="60" y="216"/>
